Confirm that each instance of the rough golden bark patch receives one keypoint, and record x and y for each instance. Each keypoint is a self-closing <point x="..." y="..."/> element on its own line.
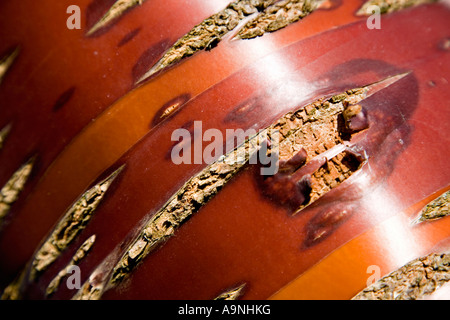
<point x="12" y="291"/>
<point x="270" y="15"/>
<point x="118" y="8"/>
<point x="436" y="209"/>
<point x="198" y="190"/>
<point x="388" y="6"/>
<point x="11" y="190"/>
<point x="413" y="281"/>
<point x="78" y="256"/>
<point x="72" y="223"/>
<point x="278" y="16"/>
<point x="232" y="294"/>
<point x="316" y="127"/>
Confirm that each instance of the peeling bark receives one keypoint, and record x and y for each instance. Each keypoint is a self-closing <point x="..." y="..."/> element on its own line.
<point x="436" y="209"/>
<point x="413" y="281"/>
<point x="271" y="15"/>
<point x="278" y="16"/>
<point x="118" y="9"/>
<point x="388" y="6"/>
<point x="72" y="223"/>
<point x="11" y="190"/>
<point x="78" y="256"/>
<point x="232" y="294"/>
<point x="12" y="291"/>
<point x="188" y="200"/>
<point x="313" y="154"/>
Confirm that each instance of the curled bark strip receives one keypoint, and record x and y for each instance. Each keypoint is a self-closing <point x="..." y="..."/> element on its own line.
<point x="232" y="294"/>
<point x="436" y="209"/>
<point x="78" y="256"/>
<point x="118" y="9"/>
<point x="388" y="6"/>
<point x="413" y="281"/>
<point x="72" y="223"/>
<point x="11" y="190"/>
<point x="7" y="61"/>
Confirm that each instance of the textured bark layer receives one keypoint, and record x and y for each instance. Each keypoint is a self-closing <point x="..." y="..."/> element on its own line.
<point x="118" y="9"/>
<point x="232" y="294"/>
<point x="278" y="16"/>
<point x="413" y="281"/>
<point x="202" y="187"/>
<point x="436" y="209"/>
<point x="388" y="6"/>
<point x="72" y="223"/>
<point x="188" y="200"/>
<point x="78" y="256"/>
<point x="11" y="190"/>
<point x="270" y="15"/>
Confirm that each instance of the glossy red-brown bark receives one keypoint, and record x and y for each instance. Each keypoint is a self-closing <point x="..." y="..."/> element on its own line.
<point x="62" y="79"/>
<point x="240" y="235"/>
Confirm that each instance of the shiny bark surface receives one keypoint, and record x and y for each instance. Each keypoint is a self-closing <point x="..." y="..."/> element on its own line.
<point x="86" y="126"/>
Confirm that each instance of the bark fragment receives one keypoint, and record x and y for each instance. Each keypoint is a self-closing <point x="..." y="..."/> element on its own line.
<point x="436" y="209"/>
<point x="313" y="154"/>
<point x="79" y="255"/>
<point x="118" y="8"/>
<point x="72" y="223"/>
<point x="12" y="291"/>
<point x="163" y="224"/>
<point x="278" y="16"/>
<point x="388" y="6"/>
<point x="11" y="190"/>
<point x="332" y="174"/>
<point x="317" y="127"/>
<point x="232" y="294"/>
<point x="413" y="281"/>
<point x="7" y="61"/>
<point x="208" y="33"/>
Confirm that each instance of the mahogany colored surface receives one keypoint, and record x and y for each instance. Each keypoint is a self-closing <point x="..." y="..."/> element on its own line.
<point x="240" y="236"/>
